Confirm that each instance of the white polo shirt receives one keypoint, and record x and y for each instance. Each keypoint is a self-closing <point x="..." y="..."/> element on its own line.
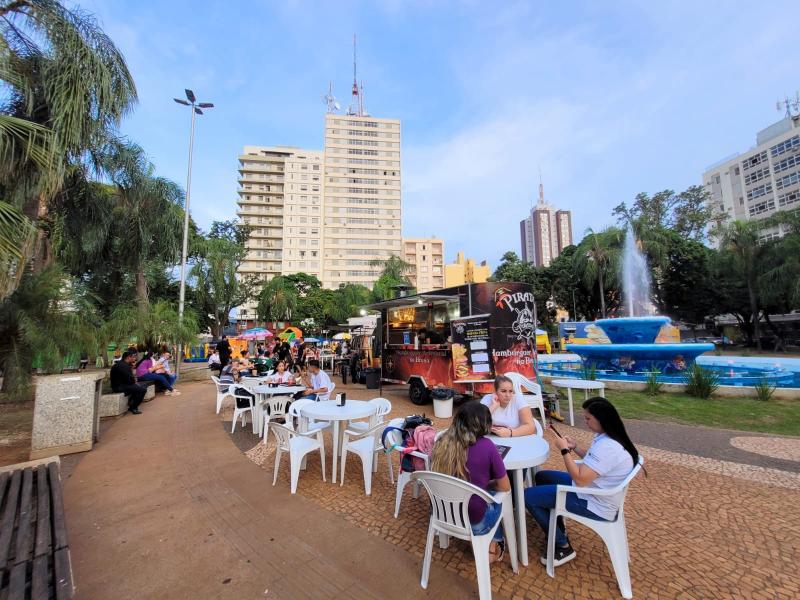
<point x="508" y="416"/>
<point x="613" y="464"/>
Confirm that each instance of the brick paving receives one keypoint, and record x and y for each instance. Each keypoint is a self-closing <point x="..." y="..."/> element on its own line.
<point x="698" y="527"/>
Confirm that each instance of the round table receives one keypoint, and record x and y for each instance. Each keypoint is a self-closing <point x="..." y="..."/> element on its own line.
<point x="262" y="392"/>
<point x="526" y="452"/>
<point x="578" y="384"/>
<point x="329" y="410"/>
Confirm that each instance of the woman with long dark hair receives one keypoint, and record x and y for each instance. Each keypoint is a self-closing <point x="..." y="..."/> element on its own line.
<point x="465" y="452"/>
<point x="606" y="463"/>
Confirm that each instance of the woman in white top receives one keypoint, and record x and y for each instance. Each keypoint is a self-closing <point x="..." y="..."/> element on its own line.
<point x="606" y="463"/>
<point x="281" y="375"/>
<point x="511" y="417"/>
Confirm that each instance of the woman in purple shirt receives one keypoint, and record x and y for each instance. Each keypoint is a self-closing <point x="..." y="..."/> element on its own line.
<point x="465" y="452"/>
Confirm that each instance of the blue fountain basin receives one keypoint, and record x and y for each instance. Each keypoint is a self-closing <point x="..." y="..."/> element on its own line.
<point x="649" y="351"/>
<point x="632" y="330"/>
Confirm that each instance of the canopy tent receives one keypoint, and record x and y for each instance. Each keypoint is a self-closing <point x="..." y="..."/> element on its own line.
<point x="311" y="340"/>
<point x="290" y="333"/>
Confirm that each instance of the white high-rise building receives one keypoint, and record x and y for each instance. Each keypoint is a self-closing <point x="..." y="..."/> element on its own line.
<point x="545" y="233"/>
<point x="762" y="181"/>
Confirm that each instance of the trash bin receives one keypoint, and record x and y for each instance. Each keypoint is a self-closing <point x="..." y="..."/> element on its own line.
<point x="442" y="402"/>
<point x="372" y="378"/>
<point x="345" y="370"/>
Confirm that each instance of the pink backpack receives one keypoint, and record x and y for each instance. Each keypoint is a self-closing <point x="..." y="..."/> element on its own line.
<point x="424" y="438"/>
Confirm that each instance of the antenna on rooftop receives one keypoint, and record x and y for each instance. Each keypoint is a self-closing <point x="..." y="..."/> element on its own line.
<point x="356" y="108"/>
<point x="330" y="100"/>
<point x="541" y="186"/>
<point x="790" y="105"/>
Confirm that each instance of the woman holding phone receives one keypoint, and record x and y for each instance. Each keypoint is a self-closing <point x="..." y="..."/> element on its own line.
<point x="511" y="417"/>
<point x="606" y="463"/>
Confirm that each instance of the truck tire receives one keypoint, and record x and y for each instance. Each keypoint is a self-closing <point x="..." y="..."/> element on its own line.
<point x="418" y="393"/>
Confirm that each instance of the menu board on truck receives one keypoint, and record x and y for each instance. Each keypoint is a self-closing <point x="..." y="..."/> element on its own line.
<point x="472" y="348"/>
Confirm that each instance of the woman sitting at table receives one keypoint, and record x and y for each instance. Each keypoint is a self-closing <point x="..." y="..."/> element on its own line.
<point x="511" y="417"/>
<point x="281" y="374"/>
<point x="465" y="452"/>
<point x="606" y="463"/>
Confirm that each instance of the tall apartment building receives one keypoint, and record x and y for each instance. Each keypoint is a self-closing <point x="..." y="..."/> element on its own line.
<point x="545" y="233"/>
<point x="362" y="203"/>
<point x="465" y="271"/>
<point x="280" y="198"/>
<point x="426" y="255"/>
<point x="762" y="181"/>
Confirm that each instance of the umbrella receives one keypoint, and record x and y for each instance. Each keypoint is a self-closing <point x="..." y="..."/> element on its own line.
<point x="342" y="336"/>
<point x="312" y="340"/>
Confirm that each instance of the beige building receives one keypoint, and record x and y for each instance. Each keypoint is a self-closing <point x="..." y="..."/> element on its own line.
<point x="545" y="233"/>
<point x="762" y="181"/>
<point x="362" y="204"/>
<point x="465" y="271"/>
<point x="426" y="255"/>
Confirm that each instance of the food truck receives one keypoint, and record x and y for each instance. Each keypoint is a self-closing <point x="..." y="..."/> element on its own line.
<point x="459" y="337"/>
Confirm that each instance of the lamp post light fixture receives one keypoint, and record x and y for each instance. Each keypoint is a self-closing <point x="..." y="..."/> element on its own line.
<point x="196" y="109"/>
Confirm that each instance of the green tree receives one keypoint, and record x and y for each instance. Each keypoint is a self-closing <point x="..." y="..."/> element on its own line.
<point x="277" y="300"/>
<point x="347" y="300"/>
<point x="597" y="262"/>
<point x="303" y="282"/>
<point x="741" y="240"/>
<point x="394" y="272"/>
<point x="151" y="329"/>
<point x="688" y="214"/>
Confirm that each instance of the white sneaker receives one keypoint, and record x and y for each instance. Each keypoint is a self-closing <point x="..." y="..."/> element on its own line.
<point x="175" y="393"/>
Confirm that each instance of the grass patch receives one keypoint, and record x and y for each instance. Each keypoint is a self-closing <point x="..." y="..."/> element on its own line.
<point x="745" y="414"/>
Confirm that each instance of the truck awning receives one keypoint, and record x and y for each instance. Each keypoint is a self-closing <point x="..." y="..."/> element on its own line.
<point x="417" y="300"/>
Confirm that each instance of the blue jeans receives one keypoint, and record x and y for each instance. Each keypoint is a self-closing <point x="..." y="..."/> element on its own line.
<point x="160" y="378"/>
<point x="490" y="517"/>
<point x="542" y="497"/>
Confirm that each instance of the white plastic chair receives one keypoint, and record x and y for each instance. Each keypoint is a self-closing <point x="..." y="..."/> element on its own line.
<point x="297" y="445"/>
<point x="294" y="413"/>
<point x="326" y="395"/>
<point x="366" y="444"/>
<point x="274" y="408"/>
<point x="450" y="498"/>
<point x="235" y="391"/>
<point x="220" y="394"/>
<point x="382" y="408"/>
<point x="613" y="533"/>
<point x="393" y="444"/>
<point x="534" y="399"/>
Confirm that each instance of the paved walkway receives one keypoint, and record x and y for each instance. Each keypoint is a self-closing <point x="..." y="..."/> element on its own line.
<point x="167" y="507"/>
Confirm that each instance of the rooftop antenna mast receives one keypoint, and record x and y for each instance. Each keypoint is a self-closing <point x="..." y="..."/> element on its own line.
<point x="356" y="107"/>
<point x="541" y="186"/>
<point x="790" y="105"/>
<point x="330" y="100"/>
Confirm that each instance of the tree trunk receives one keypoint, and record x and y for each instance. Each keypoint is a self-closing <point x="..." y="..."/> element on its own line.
<point x="751" y="291"/>
<point x="141" y="288"/>
<point x="41" y="254"/>
<point x="602" y="294"/>
<point x="780" y="342"/>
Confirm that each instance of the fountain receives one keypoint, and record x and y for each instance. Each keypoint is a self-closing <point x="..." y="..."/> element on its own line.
<point x="633" y="348"/>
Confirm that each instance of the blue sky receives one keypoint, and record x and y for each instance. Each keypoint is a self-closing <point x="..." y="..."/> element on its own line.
<point x="608" y="98"/>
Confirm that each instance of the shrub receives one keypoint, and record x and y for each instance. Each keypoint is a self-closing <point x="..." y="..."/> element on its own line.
<point x="653" y="385"/>
<point x="700" y="382"/>
<point x="589" y="371"/>
<point x="764" y="390"/>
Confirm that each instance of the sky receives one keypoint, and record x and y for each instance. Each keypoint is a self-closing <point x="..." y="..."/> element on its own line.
<point x="607" y="99"/>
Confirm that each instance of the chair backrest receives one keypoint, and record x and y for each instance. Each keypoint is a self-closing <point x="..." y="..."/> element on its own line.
<point x="627" y="481"/>
<point x="450" y="498"/>
<point x="277" y="405"/>
<point x="538" y="426"/>
<point x="327" y="395"/>
<point x="282" y="433"/>
<point x="522" y="383"/>
<point x="393" y="438"/>
<point x="294" y="411"/>
<point x="382" y="408"/>
<point x="239" y="391"/>
<point x="219" y="384"/>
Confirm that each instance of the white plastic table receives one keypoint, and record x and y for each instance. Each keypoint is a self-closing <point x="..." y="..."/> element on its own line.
<point x="578" y="384"/>
<point x="527" y="451"/>
<point x="329" y="410"/>
<point x="262" y="392"/>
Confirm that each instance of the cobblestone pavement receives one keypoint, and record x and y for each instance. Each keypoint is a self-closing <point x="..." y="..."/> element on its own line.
<point x="698" y="527"/>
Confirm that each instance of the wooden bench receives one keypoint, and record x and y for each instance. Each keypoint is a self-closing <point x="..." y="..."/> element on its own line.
<point x="34" y="554"/>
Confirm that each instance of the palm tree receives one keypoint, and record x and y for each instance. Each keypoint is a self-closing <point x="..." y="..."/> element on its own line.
<point x="158" y="326"/>
<point x="597" y="261"/>
<point x="394" y="271"/>
<point x="277" y="300"/>
<point x="741" y="240"/>
<point x="67" y="84"/>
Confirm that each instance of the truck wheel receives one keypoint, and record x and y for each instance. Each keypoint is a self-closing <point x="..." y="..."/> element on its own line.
<point x="418" y="393"/>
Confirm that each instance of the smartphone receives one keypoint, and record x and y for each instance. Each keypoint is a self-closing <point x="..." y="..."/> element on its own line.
<point x="555" y="430"/>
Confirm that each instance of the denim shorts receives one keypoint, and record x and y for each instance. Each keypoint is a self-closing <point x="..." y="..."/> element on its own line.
<point x="490" y="517"/>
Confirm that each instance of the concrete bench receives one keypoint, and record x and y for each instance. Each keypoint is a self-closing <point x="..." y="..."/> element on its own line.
<point x="34" y="554"/>
<point x="112" y="405"/>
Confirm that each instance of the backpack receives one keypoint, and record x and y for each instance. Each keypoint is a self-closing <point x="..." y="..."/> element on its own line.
<point x="420" y="437"/>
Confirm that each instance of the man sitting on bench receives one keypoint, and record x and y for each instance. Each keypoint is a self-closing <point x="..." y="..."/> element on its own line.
<point x="123" y="381"/>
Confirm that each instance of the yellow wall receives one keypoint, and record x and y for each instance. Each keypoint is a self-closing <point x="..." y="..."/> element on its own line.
<point x="465" y="271"/>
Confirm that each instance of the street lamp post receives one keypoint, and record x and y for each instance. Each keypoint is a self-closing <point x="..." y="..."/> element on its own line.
<point x="574" y="311"/>
<point x="196" y="109"/>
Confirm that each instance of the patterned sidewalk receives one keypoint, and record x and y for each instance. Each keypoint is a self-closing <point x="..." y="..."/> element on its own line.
<point x="698" y="527"/>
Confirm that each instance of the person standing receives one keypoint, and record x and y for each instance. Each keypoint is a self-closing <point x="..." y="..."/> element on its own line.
<point x="123" y="381"/>
<point x="224" y="349"/>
